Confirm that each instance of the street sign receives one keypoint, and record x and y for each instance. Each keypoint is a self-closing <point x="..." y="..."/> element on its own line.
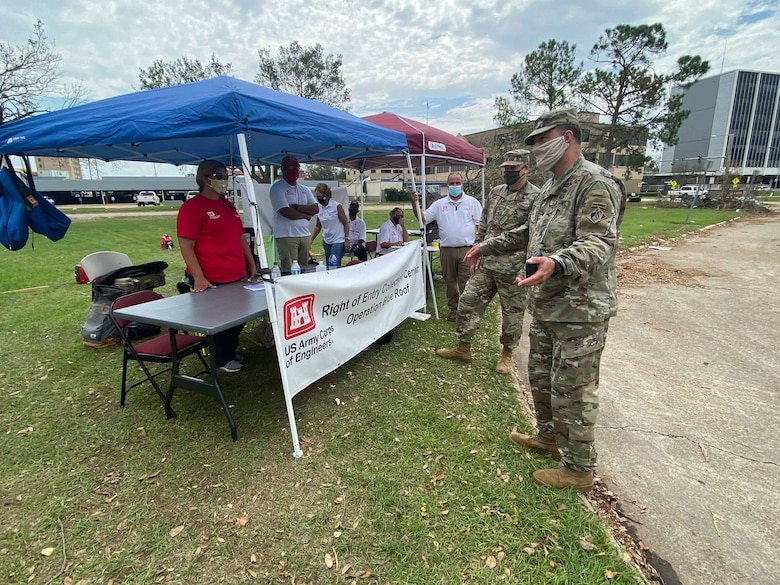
<point x="681" y="159"/>
<point x="673" y="184"/>
<point x="735" y="181"/>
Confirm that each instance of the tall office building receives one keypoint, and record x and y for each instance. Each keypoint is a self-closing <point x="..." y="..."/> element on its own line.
<point x="734" y="120"/>
<point x="50" y="166"/>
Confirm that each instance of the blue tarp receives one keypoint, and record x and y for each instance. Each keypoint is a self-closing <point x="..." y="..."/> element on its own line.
<point x="187" y="123"/>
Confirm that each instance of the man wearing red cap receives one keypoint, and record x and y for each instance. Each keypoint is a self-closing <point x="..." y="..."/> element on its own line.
<point x="294" y="205"/>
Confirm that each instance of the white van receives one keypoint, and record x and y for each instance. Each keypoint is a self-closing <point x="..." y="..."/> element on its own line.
<point x="190" y="195"/>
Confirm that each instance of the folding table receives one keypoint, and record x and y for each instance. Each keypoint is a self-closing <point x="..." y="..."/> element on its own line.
<point x="207" y="312"/>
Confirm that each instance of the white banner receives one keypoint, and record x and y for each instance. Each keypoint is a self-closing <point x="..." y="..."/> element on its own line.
<point x="326" y="318"/>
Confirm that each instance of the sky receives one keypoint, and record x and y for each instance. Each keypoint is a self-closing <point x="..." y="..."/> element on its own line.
<point x="443" y="61"/>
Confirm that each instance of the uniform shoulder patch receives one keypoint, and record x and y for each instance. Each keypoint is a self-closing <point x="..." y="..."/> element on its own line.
<point x="597" y="215"/>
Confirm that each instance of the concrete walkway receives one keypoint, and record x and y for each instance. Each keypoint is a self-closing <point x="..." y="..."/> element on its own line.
<point x="689" y="425"/>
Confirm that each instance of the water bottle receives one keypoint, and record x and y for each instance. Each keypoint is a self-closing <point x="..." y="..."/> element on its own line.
<point x="295" y="268"/>
<point x="332" y="262"/>
<point x="275" y="272"/>
<point x="320" y="267"/>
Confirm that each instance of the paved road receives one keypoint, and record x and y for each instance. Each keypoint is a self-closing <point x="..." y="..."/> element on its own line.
<point x="689" y="426"/>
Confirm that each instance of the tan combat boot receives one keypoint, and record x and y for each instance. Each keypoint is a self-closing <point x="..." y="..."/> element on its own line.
<point x="504" y="365"/>
<point x="537" y="443"/>
<point x="462" y="352"/>
<point x="564" y="477"/>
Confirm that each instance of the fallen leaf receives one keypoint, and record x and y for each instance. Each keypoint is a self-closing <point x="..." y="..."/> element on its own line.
<point x="704" y="451"/>
<point x="174" y="532"/>
<point x="328" y="561"/>
<point x="528" y="550"/>
<point x="491" y="562"/>
<point x="609" y="574"/>
<point x="336" y="534"/>
<point x="242" y="521"/>
<point x="252" y="573"/>
<point x="25" y="430"/>
<point x="586" y="545"/>
<point x="47" y="552"/>
<point x="562" y="507"/>
<point x="253" y="558"/>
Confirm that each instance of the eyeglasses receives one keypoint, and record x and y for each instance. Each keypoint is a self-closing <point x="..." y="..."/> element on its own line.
<point x="220" y="176"/>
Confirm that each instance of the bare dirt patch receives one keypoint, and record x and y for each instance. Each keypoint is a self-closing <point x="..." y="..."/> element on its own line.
<point x="636" y="269"/>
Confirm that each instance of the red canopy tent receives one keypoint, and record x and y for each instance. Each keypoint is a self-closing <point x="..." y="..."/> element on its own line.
<point x="425" y="142"/>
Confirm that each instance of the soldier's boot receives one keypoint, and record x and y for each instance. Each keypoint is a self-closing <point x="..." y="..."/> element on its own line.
<point x="564" y="477"/>
<point x="504" y="365"/>
<point x="537" y="443"/>
<point x="462" y="352"/>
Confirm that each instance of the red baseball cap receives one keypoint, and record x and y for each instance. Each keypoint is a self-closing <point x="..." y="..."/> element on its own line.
<point x="290" y="161"/>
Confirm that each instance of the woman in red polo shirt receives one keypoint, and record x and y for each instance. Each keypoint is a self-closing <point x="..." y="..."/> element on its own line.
<point x="212" y="243"/>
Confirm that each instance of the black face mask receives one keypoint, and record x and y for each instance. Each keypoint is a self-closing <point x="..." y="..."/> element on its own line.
<point x="353" y="213"/>
<point x="512" y="177"/>
<point x="322" y="200"/>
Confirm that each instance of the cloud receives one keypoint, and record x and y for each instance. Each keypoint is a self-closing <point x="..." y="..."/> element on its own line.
<point x="397" y="54"/>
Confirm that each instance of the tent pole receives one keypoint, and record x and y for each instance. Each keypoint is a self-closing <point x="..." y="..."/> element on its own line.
<point x="269" y="297"/>
<point x="426" y="258"/>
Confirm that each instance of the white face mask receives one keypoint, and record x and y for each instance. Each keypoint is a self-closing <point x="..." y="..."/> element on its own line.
<point x="220" y="187"/>
<point x="548" y="154"/>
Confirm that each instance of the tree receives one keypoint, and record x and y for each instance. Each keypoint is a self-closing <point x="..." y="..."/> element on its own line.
<point x="632" y="97"/>
<point x="182" y="70"/>
<point x="546" y="79"/>
<point x="28" y="76"/>
<point x="306" y="72"/>
<point x="323" y="173"/>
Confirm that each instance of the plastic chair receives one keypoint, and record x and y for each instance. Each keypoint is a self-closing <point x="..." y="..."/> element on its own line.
<point x="100" y="263"/>
<point x="371" y="248"/>
<point x="159" y="349"/>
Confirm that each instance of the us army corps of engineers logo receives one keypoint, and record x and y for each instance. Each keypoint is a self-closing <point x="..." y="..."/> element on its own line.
<point x="299" y="316"/>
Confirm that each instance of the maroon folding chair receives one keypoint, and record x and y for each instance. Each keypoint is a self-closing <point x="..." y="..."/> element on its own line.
<point x="169" y="347"/>
<point x="371" y="248"/>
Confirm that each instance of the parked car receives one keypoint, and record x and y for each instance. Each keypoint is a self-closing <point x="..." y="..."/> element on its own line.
<point x="148" y="198"/>
<point x="49" y="199"/>
<point x="634" y="198"/>
<point x="687" y="192"/>
<point x="190" y="195"/>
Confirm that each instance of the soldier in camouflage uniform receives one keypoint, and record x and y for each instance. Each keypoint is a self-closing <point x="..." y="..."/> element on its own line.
<point x="497" y="257"/>
<point x="573" y="241"/>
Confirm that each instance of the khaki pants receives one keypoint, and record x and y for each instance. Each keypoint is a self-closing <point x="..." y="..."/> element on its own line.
<point x="293" y="248"/>
<point x="455" y="272"/>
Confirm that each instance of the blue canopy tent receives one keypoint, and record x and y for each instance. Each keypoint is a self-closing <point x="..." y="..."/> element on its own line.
<point x="214" y="119"/>
<point x="186" y="124"/>
<point x="219" y="118"/>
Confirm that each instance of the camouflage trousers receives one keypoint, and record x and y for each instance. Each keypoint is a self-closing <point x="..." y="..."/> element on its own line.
<point x="480" y="290"/>
<point x="563" y="370"/>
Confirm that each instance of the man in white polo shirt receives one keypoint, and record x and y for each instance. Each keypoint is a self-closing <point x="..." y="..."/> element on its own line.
<point x="294" y="205"/>
<point x="457" y="216"/>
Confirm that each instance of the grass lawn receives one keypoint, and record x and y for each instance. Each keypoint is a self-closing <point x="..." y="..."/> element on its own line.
<point x="407" y="474"/>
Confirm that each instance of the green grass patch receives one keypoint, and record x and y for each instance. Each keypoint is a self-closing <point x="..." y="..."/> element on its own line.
<point x="407" y="474"/>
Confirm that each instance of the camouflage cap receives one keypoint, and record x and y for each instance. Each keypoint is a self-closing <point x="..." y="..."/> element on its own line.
<point x="550" y="120"/>
<point x="521" y="156"/>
